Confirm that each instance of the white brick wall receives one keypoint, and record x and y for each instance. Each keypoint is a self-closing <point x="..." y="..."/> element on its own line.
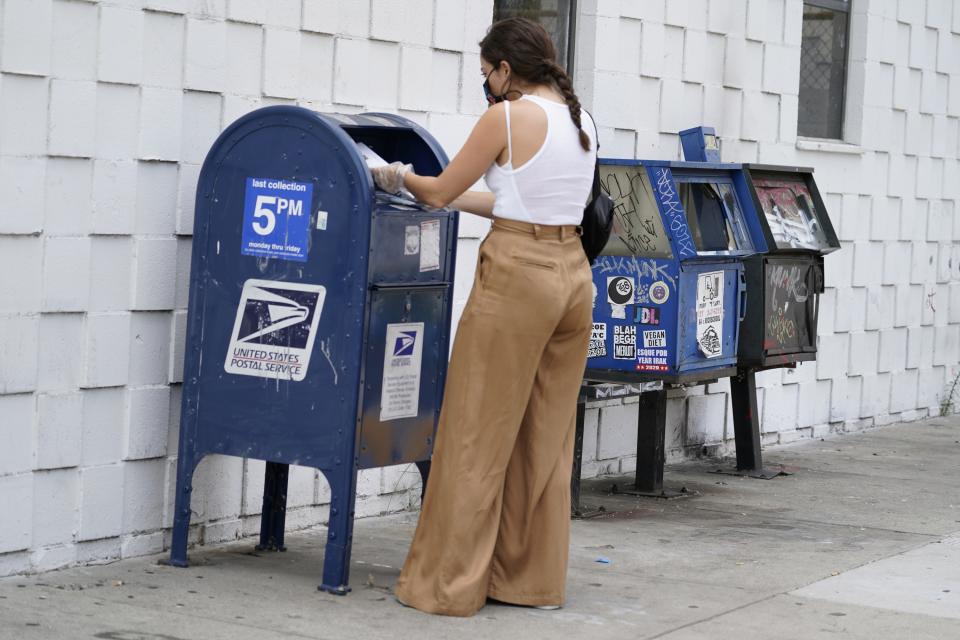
<point x="889" y="318"/>
<point x="107" y="110"/>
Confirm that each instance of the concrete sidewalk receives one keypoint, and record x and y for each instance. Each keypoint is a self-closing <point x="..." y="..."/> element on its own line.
<point x="861" y="542"/>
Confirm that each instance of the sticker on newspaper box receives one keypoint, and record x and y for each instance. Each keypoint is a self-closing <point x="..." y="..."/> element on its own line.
<point x="710" y="313"/>
<point x="276" y="219"/>
<point x="274" y="330"/>
<point x="598" y="341"/>
<point x="402" y="361"/>
<point x="624" y="342"/>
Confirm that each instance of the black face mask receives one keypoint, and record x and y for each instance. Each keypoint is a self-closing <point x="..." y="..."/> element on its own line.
<point x="488" y="92"/>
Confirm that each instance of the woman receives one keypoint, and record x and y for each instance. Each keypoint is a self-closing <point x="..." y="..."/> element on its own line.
<point x="496" y="516"/>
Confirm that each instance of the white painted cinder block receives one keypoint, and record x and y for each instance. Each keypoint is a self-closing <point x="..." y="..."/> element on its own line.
<point x="814" y="403"/>
<point x="21" y="182"/>
<point x="23" y="106"/>
<point x="187" y="178"/>
<point x="101" y="502"/>
<point x="182" y="284"/>
<point x="104" y="364"/>
<point x="617" y="431"/>
<point x="26" y="35"/>
<point x="316" y="67"/>
<point x="946" y="350"/>
<point x="104" y="415"/>
<point x="156" y="198"/>
<point x="760" y="116"/>
<point x="16" y="494"/>
<point x="903" y="391"/>
<point x="18" y="353"/>
<point x="142" y="495"/>
<point x="242" y="67"/>
<point x="155" y="266"/>
<point x="449" y="24"/>
<point x="72" y="118"/>
<point x="217" y="488"/>
<point x="201" y="125"/>
<point x="931" y="391"/>
<point x="893" y="350"/>
<point x="205" y="55"/>
<point x="416" y="64"/>
<point x="23" y="256"/>
<point x="706" y="420"/>
<point x="59" y="358"/>
<point x="114" y="197"/>
<point x="864" y="353"/>
<point x="780" y="408"/>
<point x="110" y="258"/>
<point x="67" y="197"/>
<point x="163" y="35"/>
<point x="19" y="417"/>
<point x="148" y="419"/>
<point x="160" y="124"/>
<point x="66" y="270"/>
<point x="117" y="121"/>
<point x="58" y="430"/>
<point x="280" y="75"/>
<point x="121" y="45"/>
<point x="74" y="40"/>
<point x="56" y="507"/>
<point x="875" y="400"/>
<point x="149" y="348"/>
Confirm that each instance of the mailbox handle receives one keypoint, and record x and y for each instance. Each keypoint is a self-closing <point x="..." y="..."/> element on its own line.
<point x="742" y="310"/>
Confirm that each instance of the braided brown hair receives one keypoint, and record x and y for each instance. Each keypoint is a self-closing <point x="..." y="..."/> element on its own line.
<point x="527" y="47"/>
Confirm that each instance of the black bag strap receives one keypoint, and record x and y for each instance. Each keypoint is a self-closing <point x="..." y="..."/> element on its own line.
<point x="595" y="190"/>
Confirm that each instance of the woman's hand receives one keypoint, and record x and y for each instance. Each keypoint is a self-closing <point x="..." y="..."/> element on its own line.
<point x="390" y="177"/>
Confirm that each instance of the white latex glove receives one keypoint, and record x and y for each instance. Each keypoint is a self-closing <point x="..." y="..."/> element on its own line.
<point x="390" y="177"/>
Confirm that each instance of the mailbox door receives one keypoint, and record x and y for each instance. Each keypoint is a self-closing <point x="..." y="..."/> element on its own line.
<point x="405" y="353"/>
<point x="710" y="303"/>
<point x="411" y="246"/>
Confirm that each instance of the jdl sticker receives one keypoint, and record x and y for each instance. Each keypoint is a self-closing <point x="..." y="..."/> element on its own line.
<point x="276" y="219"/>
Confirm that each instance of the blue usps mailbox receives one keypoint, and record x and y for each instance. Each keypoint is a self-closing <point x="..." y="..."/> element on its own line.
<point x="669" y="285"/>
<point x="319" y="312"/>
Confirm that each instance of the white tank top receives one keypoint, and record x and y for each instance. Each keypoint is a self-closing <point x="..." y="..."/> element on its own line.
<point x="552" y="187"/>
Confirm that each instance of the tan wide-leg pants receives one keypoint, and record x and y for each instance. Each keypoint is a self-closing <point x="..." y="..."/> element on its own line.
<point x="496" y="516"/>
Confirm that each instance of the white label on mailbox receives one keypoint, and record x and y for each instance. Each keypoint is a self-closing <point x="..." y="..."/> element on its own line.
<point x="411" y="240"/>
<point x="402" y="359"/>
<point x="710" y="313"/>
<point x="274" y="330"/>
<point x="429" y="245"/>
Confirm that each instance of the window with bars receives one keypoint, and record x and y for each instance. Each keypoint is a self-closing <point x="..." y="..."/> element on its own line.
<point x="823" y="68"/>
<point x="558" y="17"/>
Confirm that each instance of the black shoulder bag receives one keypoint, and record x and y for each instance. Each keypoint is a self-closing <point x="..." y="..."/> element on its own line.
<point x="597" y="215"/>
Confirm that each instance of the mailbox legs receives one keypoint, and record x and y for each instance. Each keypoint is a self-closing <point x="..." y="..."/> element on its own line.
<point x="575" y="507"/>
<point x="746" y="422"/>
<point x="336" y="558"/>
<point x="651" y="433"/>
<point x="746" y="427"/>
<point x="181" y="512"/>
<point x="424" y="467"/>
<point x="274" y="514"/>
